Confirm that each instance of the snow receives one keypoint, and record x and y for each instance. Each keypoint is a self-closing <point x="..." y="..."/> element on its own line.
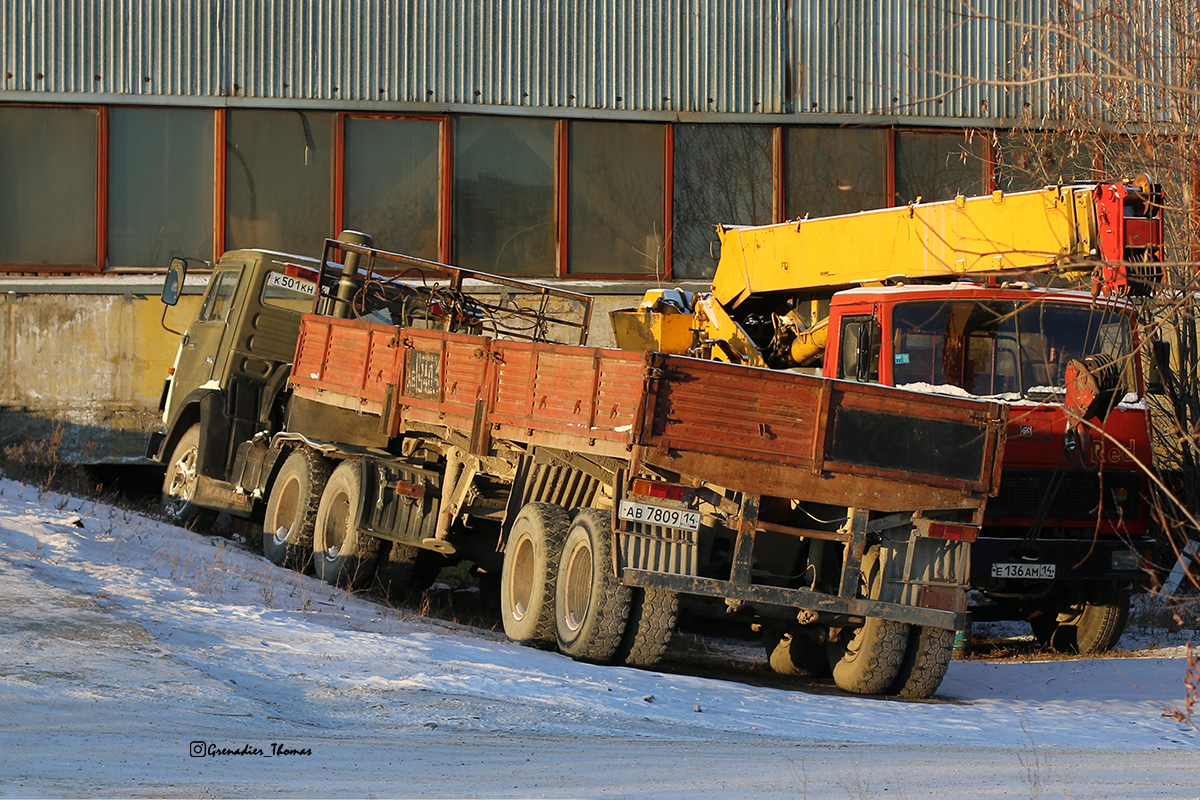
<point x="1130" y="401"/>
<point x="124" y="640"/>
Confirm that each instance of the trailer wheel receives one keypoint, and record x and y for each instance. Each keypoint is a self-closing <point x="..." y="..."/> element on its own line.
<point x="591" y="604"/>
<point x="179" y="484"/>
<point x="530" y="572"/>
<point x="925" y="662"/>
<point x="292" y="509"/>
<point x="867" y="659"/>
<point x="407" y="571"/>
<point x="789" y="654"/>
<point x="343" y="555"/>
<point x="653" y="615"/>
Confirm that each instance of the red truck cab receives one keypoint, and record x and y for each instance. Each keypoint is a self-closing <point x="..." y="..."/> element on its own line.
<point x="1065" y="540"/>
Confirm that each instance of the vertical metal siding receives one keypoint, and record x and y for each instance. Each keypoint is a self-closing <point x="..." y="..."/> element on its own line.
<point x="912" y="57"/>
<point x="857" y="57"/>
<point x="134" y="47"/>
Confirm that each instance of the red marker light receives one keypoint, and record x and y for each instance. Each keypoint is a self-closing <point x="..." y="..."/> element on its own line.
<point x="956" y="533"/>
<point x="666" y="491"/>
<point x="297" y="271"/>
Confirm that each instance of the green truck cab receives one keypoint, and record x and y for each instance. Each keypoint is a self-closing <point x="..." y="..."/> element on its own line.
<point x="230" y="375"/>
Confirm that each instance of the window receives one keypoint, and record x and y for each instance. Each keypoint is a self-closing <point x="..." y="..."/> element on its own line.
<point x="835" y="171"/>
<point x="1029" y="160"/>
<point x="504" y="212"/>
<point x="722" y="175"/>
<point x="939" y="166"/>
<point x="858" y="354"/>
<point x="293" y="288"/>
<point x="219" y="298"/>
<point x="48" y="170"/>
<point x="1003" y="347"/>
<point x="616" y="197"/>
<point x="160" y="198"/>
<point x="392" y="183"/>
<point x="278" y="187"/>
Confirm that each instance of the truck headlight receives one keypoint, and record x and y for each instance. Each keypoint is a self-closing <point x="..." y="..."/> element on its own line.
<point x="1124" y="561"/>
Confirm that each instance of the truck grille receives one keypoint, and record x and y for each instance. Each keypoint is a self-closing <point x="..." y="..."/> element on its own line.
<point x="1022" y="490"/>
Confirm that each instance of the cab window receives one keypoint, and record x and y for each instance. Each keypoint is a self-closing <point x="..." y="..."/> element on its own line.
<point x="219" y="299"/>
<point x="294" y="292"/>
<point x="858" y="358"/>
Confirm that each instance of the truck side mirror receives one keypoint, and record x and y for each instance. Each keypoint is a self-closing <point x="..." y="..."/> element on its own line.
<point x="1159" y="367"/>
<point x="173" y="284"/>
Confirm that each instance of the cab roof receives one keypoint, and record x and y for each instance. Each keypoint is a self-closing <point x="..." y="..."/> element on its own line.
<point x="969" y="290"/>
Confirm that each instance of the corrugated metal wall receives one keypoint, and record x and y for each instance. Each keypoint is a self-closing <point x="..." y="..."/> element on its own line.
<point x="130" y="47"/>
<point x="895" y="57"/>
<point x="603" y="54"/>
<point x="929" y="58"/>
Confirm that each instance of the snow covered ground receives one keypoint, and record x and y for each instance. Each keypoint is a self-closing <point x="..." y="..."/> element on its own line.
<point x="138" y="659"/>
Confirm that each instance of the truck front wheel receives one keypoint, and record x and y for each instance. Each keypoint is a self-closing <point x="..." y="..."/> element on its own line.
<point x="404" y="572"/>
<point x="867" y="659"/>
<point x="343" y="555"/>
<point x="530" y="572"/>
<point x="795" y="654"/>
<point x="179" y="484"/>
<point x="1092" y="621"/>
<point x="591" y="604"/>
<point x="292" y="509"/>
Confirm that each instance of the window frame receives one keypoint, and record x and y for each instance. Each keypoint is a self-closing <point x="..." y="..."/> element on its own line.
<point x="100" y="177"/>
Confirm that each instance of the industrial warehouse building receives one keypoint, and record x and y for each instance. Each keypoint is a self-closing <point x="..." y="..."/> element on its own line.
<point x="589" y="142"/>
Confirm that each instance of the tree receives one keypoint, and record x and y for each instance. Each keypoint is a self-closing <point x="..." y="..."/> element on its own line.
<point x="1112" y="87"/>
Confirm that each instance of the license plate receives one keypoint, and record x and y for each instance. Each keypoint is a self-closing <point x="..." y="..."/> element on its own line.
<point x="1036" y="571"/>
<point x="659" y="515"/>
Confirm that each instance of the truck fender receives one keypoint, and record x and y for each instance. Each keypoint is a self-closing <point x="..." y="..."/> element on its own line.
<point x="215" y="427"/>
<point x="275" y="386"/>
<point x="188" y="415"/>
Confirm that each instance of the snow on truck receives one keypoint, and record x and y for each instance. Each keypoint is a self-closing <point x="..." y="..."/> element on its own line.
<point x="885" y="297"/>
<point x="384" y="416"/>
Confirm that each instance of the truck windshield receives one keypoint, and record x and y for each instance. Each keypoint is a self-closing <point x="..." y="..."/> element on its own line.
<point x="1003" y="348"/>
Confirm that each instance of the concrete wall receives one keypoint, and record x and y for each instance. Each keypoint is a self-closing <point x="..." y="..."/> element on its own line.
<point x="86" y="366"/>
<point x="85" y="359"/>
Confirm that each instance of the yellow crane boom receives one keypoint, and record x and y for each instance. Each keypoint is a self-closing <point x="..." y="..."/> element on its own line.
<point x="959" y="237"/>
<point x="1096" y="228"/>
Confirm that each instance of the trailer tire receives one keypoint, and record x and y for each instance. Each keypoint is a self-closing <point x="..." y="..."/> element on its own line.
<point x="867" y="659"/>
<point x="292" y="509"/>
<point x="530" y="572"/>
<point x="653" y="615"/>
<point x="799" y="656"/>
<point x="591" y="604"/>
<point x="404" y="572"/>
<point x="342" y="554"/>
<point x="179" y="484"/>
<point x="925" y="662"/>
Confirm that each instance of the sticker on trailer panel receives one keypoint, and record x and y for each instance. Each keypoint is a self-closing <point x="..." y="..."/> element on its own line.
<point x="422" y="374"/>
<point x="901" y="358"/>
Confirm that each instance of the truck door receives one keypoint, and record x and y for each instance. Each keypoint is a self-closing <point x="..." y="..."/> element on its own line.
<point x="858" y="351"/>
<point x="202" y="347"/>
